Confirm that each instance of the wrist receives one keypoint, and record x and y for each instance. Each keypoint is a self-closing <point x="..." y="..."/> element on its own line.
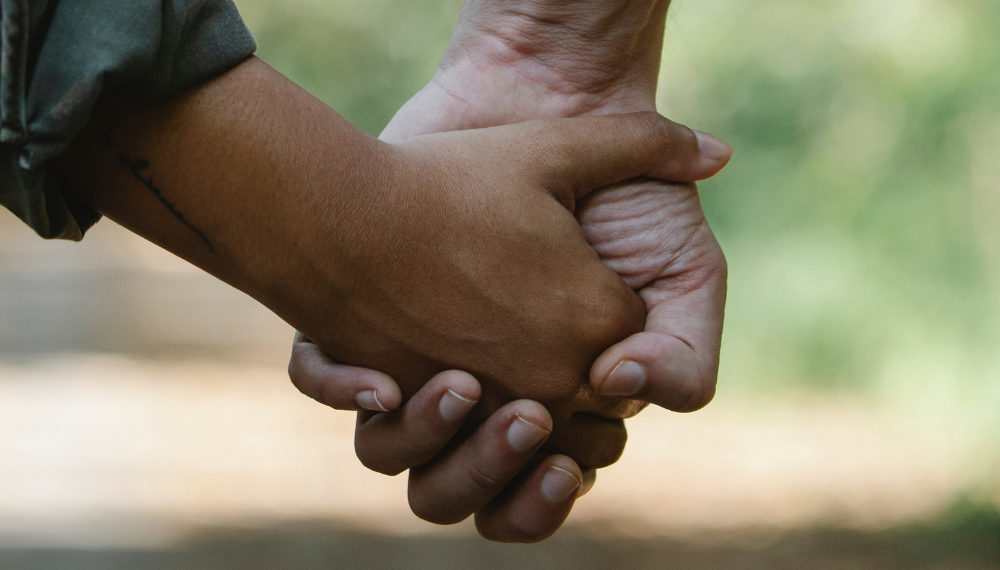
<point x="513" y="64"/>
<point x="319" y="237"/>
<point x="591" y="54"/>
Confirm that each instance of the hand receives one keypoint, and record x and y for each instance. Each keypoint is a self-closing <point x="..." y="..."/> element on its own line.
<point x="447" y="484"/>
<point x="390" y="443"/>
<point x="534" y="59"/>
<point x="357" y="243"/>
<point x="531" y="59"/>
<point x="663" y="247"/>
<point x="484" y="269"/>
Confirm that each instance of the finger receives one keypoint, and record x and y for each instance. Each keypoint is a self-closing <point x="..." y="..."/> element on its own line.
<point x="469" y="475"/>
<point x="592" y="152"/>
<point x="592" y="440"/>
<point x="674" y="362"/>
<point x="339" y="386"/>
<point x="394" y="442"/>
<point x="534" y="507"/>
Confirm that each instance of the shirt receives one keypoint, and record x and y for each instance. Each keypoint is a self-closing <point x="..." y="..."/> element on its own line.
<point x="57" y="57"/>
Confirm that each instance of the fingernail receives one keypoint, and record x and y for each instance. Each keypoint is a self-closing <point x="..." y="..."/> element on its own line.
<point x="558" y="485"/>
<point x="589" y="478"/>
<point x="523" y="435"/>
<point x="627" y="379"/>
<point x="369" y="401"/>
<point x="712" y="147"/>
<point x="454" y="407"/>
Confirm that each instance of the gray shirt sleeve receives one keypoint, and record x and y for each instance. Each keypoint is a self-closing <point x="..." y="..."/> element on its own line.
<point x="58" y="56"/>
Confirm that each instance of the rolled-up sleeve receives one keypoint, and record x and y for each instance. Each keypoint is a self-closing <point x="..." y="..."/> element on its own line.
<point x="59" y="56"/>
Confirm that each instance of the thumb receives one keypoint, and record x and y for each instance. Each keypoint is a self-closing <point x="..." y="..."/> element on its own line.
<point x="674" y="362"/>
<point x="581" y="154"/>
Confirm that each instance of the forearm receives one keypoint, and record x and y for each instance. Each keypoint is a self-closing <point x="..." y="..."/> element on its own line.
<point x="518" y="60"/>
<point x="233" y="177"/>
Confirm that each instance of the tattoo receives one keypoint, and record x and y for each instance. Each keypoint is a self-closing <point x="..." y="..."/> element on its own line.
<point x="136" y="166"/>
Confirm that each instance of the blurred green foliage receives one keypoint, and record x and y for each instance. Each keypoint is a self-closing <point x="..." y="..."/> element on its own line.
<point x="861" y="215"/>
<point x="364" y="58"/>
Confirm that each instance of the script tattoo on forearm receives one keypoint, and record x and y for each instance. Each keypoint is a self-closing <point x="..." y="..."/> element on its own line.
<point x="136" y="166"/>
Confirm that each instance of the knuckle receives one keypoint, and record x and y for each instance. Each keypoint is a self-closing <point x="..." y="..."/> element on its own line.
<point x="432" y="511"/>
<point x="425" y="511"/>
<point x="296" y="380"/>
<point x="512" y="531"/>
<point x="591" y="441"/>
<point x="484" y="480"/>
<point x="375" y="461"/>
<point x="604" y="455"/>
<point x="564" y="156"/>
<point x="553" y="382"/>
<point x="487" y="530"/>
<point x="608" y="318"/>
<point x="376" y="465"/>
<point x="696" y="392"/>
<point x="560" y="385"/>
<point x="295" y="368"/>
<point x="300" y="380"/>
<point x="649" y="120"/>
<point x="419" y="443"/>
<point x="701" y="397"/>
<point x="524" y="534"/>
<point x="410" y="446"/>
<point x="657" y="129"/>
<point x="722" y="265"/>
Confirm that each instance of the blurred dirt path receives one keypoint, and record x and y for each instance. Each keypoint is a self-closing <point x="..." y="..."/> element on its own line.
<point x="92" y="438"/>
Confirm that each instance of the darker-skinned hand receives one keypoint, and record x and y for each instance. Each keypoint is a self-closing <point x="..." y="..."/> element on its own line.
<point x="484" y="268"/>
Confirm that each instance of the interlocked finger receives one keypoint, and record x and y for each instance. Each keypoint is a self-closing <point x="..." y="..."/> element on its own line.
<point x="393" y="442"/>
<point x="470" y="475"/>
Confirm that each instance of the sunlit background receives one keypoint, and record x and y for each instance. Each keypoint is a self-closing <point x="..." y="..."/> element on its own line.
<point x="146" y="419"/>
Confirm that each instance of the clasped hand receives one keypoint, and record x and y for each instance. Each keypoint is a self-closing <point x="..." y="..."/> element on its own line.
<point x="485" y="269"/>
<point x="511" y="62"/>
<point x="441" y="252"/>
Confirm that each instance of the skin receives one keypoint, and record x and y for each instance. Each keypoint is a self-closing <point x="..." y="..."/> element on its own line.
<point x="455" y="250"/>
<point x="531" y="59"/>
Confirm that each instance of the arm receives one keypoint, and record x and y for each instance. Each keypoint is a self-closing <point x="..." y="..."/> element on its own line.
<point x="218" y="174"/>
<point x="447" y="251"/>
<point x="407" y="258"/>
